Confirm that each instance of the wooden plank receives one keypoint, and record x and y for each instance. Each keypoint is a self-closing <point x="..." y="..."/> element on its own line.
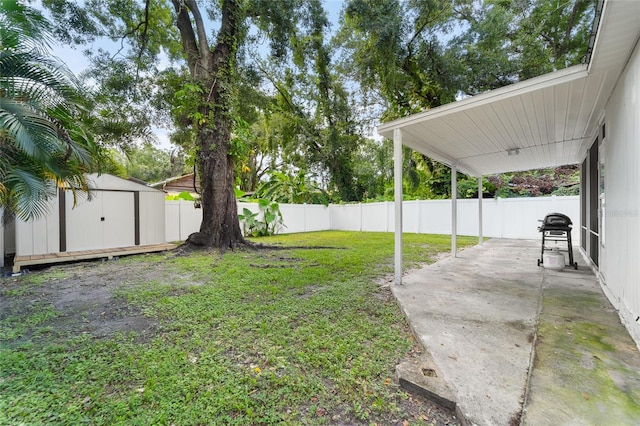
<point x="21" y="261"/>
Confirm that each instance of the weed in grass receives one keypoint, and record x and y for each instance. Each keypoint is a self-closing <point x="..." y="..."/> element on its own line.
<point x="18" y="325"/>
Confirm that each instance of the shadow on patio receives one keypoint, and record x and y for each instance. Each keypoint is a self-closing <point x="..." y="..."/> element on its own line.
<point x="490" y="314"/>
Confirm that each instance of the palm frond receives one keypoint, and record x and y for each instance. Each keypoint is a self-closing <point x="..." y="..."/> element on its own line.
<point x="28" y="194"/>
<point x="42" y="142"/>
<point x="24" y="28"/>
<point x="29" y="130"/>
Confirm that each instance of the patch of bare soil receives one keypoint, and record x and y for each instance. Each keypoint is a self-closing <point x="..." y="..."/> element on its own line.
<point x="85" y="296"/>
<point x="424" y="411"/>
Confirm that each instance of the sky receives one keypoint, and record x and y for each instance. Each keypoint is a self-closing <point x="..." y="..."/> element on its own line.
<point x="77" y="62"/>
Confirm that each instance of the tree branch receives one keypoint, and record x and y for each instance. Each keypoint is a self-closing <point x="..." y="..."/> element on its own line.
<point x="203" y="42"/>
<point x="572" y="21"/>
<point x="283" y="92"/>
<point x="187" y="35"/>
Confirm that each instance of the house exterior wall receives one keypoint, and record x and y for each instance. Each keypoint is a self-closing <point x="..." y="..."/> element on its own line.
<point x="619" y="265"/>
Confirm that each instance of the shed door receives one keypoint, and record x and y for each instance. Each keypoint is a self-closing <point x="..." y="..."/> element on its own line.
<point x="107" y="221"/>
<point x="119" y="219"/>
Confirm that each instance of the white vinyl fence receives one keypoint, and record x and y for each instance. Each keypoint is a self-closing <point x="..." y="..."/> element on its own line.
<point x="502" y="217"/>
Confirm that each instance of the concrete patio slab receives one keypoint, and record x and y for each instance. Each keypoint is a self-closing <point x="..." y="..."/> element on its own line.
<point x="478" y="316"/>
<point x="587" y="368"/>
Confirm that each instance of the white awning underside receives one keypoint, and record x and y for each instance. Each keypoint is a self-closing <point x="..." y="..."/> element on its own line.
<point x="550" y="120"/>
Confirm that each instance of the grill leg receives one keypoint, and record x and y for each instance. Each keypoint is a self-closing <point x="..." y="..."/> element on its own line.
<point x="575" y="265"/>
<point x="541" y="260"/>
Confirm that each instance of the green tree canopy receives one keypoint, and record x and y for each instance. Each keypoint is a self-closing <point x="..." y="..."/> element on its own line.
<point x="410" y="56"/>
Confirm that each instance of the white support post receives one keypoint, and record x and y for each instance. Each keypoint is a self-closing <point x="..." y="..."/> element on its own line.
<point x="480" y="210"/>
<point x="397" y="196"/>
<point x="454" y="209"/>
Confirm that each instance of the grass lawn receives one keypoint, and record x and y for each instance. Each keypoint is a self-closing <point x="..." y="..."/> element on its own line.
<point x="290" y="336"/>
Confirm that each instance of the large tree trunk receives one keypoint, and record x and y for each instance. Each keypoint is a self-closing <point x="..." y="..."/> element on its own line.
<point x="220" y="227"/>
<point x="213" y="70"/>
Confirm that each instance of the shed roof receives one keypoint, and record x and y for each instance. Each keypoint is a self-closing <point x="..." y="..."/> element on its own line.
<point x="106" y="182"/>
<point x="542" y="122"/>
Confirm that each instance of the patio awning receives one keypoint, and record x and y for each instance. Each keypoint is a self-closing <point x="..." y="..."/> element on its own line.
<point x="545" y="121"/>
<point x="542" y="122"/>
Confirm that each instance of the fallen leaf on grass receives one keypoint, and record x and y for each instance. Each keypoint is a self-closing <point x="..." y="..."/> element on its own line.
<point x="585" y="396"/>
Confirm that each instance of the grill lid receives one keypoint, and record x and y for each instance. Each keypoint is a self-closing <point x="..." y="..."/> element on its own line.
<point x="556" y="221"/>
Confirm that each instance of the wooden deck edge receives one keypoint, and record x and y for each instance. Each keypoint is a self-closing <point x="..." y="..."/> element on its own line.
<point x="21" y="261"/>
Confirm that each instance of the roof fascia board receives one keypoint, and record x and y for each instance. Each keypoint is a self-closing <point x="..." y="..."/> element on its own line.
<point x="596" y="43"/>
<point x="566" y="75"/>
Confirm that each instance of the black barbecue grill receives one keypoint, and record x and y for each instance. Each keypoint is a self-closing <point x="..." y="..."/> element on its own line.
<point x="556" y="227"/>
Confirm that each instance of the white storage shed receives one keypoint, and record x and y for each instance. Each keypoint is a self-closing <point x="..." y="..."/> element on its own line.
<point x="122" y="217"/>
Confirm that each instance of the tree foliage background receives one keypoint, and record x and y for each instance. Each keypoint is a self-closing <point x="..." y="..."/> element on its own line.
<point x="300" y="94"/>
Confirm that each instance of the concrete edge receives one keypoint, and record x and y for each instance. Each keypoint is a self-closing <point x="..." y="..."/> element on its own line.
<point x="424" y="391"/>
<point x="419" y="376"/>
<point x="532" y="354"/>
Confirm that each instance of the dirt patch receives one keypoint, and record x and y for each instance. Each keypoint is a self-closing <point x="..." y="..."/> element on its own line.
<point x="86" y="297"/>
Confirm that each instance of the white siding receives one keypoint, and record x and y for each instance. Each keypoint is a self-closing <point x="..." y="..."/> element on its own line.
<point x="106" y="221"/>
<point x="113" y="200"/>
<point x="152" y="218"/>
<point x="619" y="265"/>
<point x="40" y="236"/>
